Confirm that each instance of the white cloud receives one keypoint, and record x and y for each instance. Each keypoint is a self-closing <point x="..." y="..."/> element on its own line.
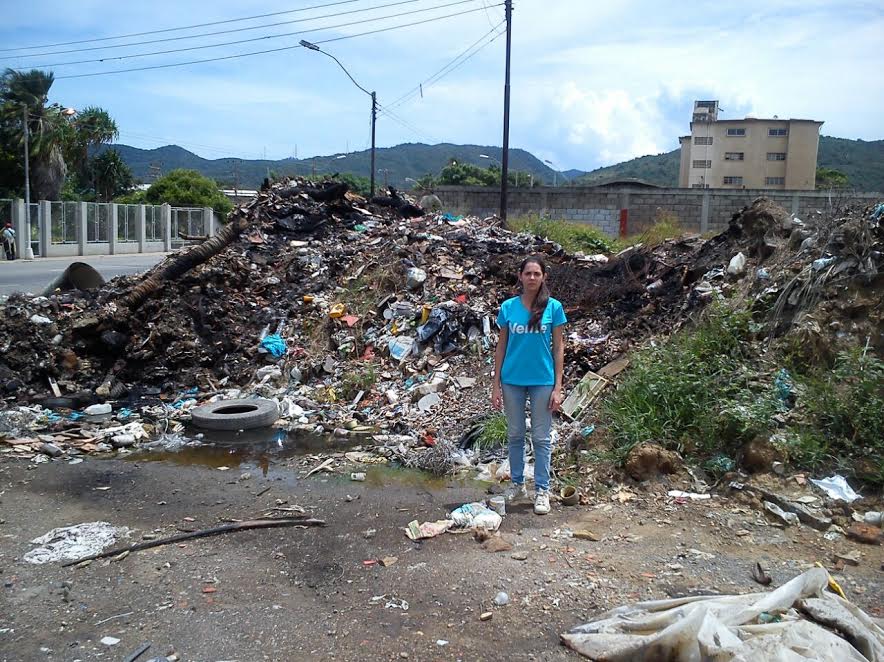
<point x="615" y="122"/>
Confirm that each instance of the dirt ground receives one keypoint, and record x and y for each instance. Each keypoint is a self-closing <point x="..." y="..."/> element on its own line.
<point x="293" y="594"/>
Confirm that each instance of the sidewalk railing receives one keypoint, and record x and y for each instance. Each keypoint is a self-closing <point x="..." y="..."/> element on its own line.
<point x="60" y="229"/>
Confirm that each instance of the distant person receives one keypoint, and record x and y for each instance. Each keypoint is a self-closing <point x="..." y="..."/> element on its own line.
<point x="528" y="365"/>
<point x="9" y="241"/>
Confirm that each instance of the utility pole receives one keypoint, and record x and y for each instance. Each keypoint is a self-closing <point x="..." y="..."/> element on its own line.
<point x="508" y="7"/>
<point x="374" y="117"/>
<point x="26" y="230"/>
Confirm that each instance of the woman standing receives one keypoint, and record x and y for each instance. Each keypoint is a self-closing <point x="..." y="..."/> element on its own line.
<point x="528" y="366"/>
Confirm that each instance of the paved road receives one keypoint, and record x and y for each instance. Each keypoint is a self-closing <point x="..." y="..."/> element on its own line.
<point x="24" y="276"/>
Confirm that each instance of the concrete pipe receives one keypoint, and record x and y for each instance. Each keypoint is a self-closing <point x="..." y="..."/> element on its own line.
<point x="78" y="276"/>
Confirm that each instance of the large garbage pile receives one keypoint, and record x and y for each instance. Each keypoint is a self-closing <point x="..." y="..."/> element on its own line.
<point x="372" y="312"/>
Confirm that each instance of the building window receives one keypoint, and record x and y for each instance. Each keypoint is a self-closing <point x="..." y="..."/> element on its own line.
<point x="734" y="156"/>
<point x="702" y="164"/>
<point x="777" y="132"/>
<point x="735" y="181"/>
<point x="775" y="181"/>
<point x="736" y="132"/>
<point x="699" y="186"/>
<point x="776" y="156"/>
<point x="703" y="140"/>
<point x="706" y="104"/>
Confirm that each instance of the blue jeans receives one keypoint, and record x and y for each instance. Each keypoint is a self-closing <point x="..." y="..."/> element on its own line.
<point x="514" y="398"/>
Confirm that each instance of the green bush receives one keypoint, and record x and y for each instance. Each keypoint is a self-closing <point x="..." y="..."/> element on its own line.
<point x="188" y="188"/>
<point x="574" y="237"/>
<point x="493" y="433"/>
<point x="691" y="392"/>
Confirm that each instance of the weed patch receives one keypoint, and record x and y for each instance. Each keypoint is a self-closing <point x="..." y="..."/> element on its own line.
<point x="574" y="237"/>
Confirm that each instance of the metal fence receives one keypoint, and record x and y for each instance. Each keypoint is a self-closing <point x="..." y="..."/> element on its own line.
<point x="153" y="225"/>
<point x="127" y="223"/>
<point x="188" y="221"/>
<point x="64" y="222"/>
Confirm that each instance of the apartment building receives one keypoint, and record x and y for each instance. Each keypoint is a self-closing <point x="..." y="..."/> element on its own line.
<point x="748" y="153"/>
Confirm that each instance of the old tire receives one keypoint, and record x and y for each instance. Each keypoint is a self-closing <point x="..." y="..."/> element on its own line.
<point x="235" y="414"/>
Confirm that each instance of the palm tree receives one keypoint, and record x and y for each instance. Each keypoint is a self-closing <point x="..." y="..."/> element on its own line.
<point x="92" y="127"/>
<point x="22" y="91"/>
<point x="111" y="175"/>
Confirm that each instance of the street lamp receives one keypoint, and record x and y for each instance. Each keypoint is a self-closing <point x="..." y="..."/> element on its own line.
<point x="491" y="158"/>
<point x="555" y="172"/>
<point x="374" y="101"/>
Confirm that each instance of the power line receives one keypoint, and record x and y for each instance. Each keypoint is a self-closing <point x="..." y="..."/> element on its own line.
<point x="205" y="34"/>
<point x="186" y="27"/>
<point x="448" y="68"/>
<point x="271" y="50"/>
<point x="169" y="141"/>
<point x="396" y="118"/>
<point x="253" y="39"/>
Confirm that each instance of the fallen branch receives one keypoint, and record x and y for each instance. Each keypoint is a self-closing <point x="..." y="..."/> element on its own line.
<point x="180" y="263"/>
<point x="227" y="528"/>
<point x="192" y="237"/>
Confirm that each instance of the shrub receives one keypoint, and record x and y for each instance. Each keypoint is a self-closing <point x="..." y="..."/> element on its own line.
<point x="689" y="393"/>
<point x="573" y="237"/>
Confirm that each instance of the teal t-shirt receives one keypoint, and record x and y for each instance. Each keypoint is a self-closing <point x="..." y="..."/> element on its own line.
<point x="529" y="359"/>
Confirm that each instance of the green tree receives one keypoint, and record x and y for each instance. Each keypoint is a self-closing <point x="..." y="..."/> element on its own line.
<point x="47" y="124"/>
<point x="110" y="174"/>
<point x="188" y="188"/>
<point x="90" y="128"/>
<point x="467" y="174"/>
<point x="830" y="178"/>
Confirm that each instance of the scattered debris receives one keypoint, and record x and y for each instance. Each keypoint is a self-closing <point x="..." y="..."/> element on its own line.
<point x="737" y="627"/>
<point x="226" y="528"/>
<point x="75" y="542"/>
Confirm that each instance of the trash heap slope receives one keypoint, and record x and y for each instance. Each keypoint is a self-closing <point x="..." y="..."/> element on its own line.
<point x="348" y="285"/>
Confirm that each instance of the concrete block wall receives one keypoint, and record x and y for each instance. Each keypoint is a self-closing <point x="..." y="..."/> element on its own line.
<point x="696" y="210"/>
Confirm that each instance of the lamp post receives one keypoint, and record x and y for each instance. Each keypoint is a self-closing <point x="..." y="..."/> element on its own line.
<point x="374" y="102"/>
<point x="555" y="172"/>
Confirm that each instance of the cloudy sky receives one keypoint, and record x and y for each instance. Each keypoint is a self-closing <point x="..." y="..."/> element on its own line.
<point x="592" y="84"/>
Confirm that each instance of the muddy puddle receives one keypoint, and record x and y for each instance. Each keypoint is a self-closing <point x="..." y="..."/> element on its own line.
<point x="267" y="449"/>
<point x="260" y="448"/>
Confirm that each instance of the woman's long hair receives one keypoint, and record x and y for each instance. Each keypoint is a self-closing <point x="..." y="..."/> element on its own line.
<point x="538" y="306"/>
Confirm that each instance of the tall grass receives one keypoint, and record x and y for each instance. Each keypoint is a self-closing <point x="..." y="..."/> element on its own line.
<point x="573" y="237"/>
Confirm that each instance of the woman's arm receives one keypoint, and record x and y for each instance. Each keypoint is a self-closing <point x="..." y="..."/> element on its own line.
<point x="558" y="338"/>
<point x="499" y="354"/>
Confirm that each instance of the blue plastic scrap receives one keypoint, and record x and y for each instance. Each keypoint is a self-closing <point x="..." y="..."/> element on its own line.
<point x="879" y="212"/>
<point x="274" y="344"/>
<point x="785" y="388"/>
<point x="588" y="430"/>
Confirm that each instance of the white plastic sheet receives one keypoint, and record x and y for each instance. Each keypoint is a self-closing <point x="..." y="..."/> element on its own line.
<point x="730" y="628"/>
<point x="837" y="488"/>
<point x="74" y="542"/>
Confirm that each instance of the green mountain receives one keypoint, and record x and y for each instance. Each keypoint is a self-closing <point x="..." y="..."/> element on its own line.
<point x="862" y="161"/>
<point x="412" y="160"/>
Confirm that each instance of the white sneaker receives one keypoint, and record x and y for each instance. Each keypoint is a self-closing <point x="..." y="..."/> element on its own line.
<point x="516" y="493"/>
<point x="541" y="502"/>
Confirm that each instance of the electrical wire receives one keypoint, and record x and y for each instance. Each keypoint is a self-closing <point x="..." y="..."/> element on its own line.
<point x="270" y="50"/>
<point x="456" y="63"/>
<point x="399" y="120"/>
<point x="169" y="141"/>
<point x="208" y="34"/>
<point x="186" y="27"/>
<point x="253" y="39"/>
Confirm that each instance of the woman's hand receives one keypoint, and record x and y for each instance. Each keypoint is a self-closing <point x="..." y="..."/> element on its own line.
<point x="555" y="399"/>
<point x="496" y="397"/>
